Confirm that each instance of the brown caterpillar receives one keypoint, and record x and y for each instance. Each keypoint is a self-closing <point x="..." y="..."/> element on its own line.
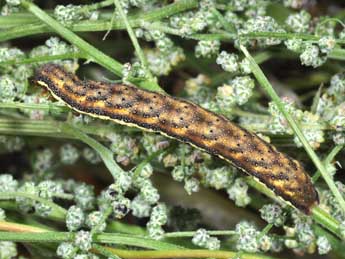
<point x="188" y="123"/>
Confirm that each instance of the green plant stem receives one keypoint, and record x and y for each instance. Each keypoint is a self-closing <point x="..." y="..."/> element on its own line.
<point x="192" y="233"/>
<point x="196" y="36"/>
<point x="16" y="20"/>
<point x="147" y="160"/>
<point x="223" y="35"/>
<point x="64" y="196"/>
<point x="221" y="77"/>
<point x="100" y="25"/>
<point x="241" y="113"/>
<point x="68" y="55"/>
<point x="15" y="227"/>
<point x="112" y="19"/>
<point x="31" y="237"/>
<point x="93" y="53"/>
<point x="265" y="84"/>
<point x="119" y="227"/>
<point x="104" y="251"/>
<point x="27" y="127"/>
<point x="252" y="182"/>
<point x="328" y="160"/>
<point x="265" y="231"/>
<point x="327" y="20"/>
<point x="151" y="16"/>
<point x="190" y="253"/>
<point x="106" y="213"/>
<point x="326" y="220"/>
<point x="51" y="128"/>
<point x="166" y="250"/>
<point x="134" y="40"/>
<point x="229" y="27"/>
<point x="50" y="107"/>
<point x="105" y="238"/>
<point x="56" y="212"/>
<point x="105" y="153"/>
<point x="337" y="54"/>
<point x="28" y="234"/>
<point x="138" y="241"/>
<point x="286" y="36"/>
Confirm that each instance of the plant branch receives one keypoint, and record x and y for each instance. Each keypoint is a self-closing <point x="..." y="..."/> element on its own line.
<point x="34" y="27"/>
<point x="68" y="55"/>
<point x="15" y="227"/>
<point x="92" y="52"/>
<point x="165" y="250"/>
<point x="134" y="40"/>
<point x="105" y="153"/>
<point x="56" y="212"/>
<point x="328" y="160"/>
<point x="190" y="253"/>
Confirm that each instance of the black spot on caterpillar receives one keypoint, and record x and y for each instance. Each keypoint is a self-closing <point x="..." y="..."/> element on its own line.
<point x="186" y="122"/>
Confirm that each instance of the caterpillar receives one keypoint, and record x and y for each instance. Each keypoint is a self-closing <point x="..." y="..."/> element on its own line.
<point x="186" y="122"/>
